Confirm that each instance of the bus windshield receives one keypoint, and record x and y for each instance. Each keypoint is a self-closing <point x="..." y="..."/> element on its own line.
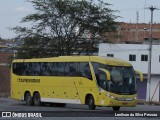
<point x="122" y="80"/>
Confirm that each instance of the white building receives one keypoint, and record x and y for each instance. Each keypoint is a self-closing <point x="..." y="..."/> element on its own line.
<point x="137" y="55"/>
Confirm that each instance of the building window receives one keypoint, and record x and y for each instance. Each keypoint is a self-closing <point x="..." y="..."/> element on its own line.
<point x="132" y="57"/>
<point x="144" y="57"/>
<point x="110" y="55"/>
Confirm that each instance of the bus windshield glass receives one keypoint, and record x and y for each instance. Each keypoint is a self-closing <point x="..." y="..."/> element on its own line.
<point x="122" y="80"/>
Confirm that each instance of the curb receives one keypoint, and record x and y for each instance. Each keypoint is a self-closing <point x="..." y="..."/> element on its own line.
<point x="143" y="102"/>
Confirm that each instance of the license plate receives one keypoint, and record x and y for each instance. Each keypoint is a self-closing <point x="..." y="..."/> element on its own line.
<point x="124" y="103"/>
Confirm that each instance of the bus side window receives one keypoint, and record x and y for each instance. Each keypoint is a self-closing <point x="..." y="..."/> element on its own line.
<point x="96" y="70"/>
<point x="96" y="67"/>
<point x="15" y="68"/>
<point x="102" y="80"/>
<point x="26" y="69"/>
<point x="61" y="68"/>
<point x="38" y="68"/>
<point x="67" y="69"/>
<point x="84" y="70"/>
<point x="18" y="68"/>
<point x="49" y="69"/>
<point x="73" y="69"/>
<point x="35" y="69"/>
<point x="54" y="69"/>
<point x="43" y="69"/>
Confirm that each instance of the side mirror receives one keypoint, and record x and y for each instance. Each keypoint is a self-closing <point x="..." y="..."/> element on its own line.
<point x="140" y="74"/>
<point x="108" y="74"/>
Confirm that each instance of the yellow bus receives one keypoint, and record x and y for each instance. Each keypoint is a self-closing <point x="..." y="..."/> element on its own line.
<point x="91" y="80"/>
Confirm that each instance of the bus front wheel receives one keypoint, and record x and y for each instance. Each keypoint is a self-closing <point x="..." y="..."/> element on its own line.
<point x="91" y="104"/>
<point x="116" y="108"/>
<point x="36" y="99"/>
<point x="28" y="99"/>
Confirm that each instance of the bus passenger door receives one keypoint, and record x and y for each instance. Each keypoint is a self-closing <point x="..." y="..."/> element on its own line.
<point x="84" y="83"/>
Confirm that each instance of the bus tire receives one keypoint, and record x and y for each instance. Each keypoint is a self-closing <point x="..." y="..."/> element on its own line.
<point x="91" y="104"/>
<point x="116" y="108"/>
<point x="36" y="99"/>
<point x="28" y="99"/>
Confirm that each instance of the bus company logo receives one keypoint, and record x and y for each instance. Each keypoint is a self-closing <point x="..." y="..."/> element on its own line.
<point x="6" y="114"/>
<point x="28" y="80"/>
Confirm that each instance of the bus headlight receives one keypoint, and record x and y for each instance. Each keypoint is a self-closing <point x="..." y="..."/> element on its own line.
<point x="110" y="96"/>
<point x="121" y="99"/>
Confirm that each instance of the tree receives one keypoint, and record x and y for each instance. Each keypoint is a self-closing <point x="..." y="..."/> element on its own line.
<point x="65" y="27"/>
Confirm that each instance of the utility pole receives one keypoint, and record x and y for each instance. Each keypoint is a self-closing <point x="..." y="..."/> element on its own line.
<point x="150" y="56"/>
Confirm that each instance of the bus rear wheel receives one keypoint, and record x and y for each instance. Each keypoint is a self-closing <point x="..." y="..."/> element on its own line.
<point x="28" y="99"/>
<point x="36" y="99"/>
<point x="91" y="104"/>
<point x="116" y="108"/>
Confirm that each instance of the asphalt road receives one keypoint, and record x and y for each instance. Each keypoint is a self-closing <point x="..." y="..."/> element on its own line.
<point x="72" y="111"/>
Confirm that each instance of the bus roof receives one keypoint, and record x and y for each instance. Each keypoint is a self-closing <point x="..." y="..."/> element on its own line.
<point x="110" y="61"/>
<point x="104" y="60"/>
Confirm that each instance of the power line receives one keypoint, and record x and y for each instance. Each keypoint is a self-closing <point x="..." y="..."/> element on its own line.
<point x="132" y="9"/>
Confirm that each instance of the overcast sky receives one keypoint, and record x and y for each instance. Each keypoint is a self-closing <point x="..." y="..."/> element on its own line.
<point x="12" y="11"/>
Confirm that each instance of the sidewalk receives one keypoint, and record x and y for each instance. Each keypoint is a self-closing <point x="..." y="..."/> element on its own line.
<point x="143" y="102"/>
<point x="4" y="95"/>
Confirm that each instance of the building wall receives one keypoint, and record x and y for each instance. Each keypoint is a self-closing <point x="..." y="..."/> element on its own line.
<point x="4" y="79"/>
<point x="122" y="51"/>
<point x="4" y="73"/>
<point x="132" y="32"/>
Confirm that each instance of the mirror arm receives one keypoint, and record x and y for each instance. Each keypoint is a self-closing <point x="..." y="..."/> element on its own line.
<point x="140" y="73"/>
<point x="107" y="73"/>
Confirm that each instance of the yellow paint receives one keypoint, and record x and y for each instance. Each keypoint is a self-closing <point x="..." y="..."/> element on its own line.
<point x="141" y="75"/>
<point x="68" y="88"/>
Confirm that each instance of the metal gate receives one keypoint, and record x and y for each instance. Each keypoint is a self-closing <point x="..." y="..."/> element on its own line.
<point x="141" y="89"/>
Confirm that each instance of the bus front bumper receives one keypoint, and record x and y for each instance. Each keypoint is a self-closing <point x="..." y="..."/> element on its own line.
<point x="121" y="100"/>
<point x="113" y="102"/>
